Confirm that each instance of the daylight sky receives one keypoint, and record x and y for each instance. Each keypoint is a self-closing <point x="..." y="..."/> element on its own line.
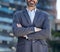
<point x="58" y="9"/>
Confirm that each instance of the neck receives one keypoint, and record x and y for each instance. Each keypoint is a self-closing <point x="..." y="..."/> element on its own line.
<point x="31" y="8"/>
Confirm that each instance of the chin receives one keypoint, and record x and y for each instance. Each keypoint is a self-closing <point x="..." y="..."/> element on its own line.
<point x="32" y="6"/>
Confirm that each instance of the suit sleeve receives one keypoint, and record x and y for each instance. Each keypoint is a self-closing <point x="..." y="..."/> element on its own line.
<point x="45" y="33"/>
<point x="20" y="31"/>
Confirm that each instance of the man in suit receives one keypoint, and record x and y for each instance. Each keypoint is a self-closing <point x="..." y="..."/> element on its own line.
<point x="32" y="28"/>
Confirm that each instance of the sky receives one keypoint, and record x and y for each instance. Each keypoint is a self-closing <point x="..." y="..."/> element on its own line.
<point x="58" y="9"/>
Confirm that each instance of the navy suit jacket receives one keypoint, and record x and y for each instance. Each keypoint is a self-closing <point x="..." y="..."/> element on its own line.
<point x="41" y="20"/>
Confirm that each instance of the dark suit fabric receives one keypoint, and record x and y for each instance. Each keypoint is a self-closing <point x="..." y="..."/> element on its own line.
<point x="36" y="40"/>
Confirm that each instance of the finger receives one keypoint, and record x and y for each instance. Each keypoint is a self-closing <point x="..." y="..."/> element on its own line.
<point x="19" y="25"/>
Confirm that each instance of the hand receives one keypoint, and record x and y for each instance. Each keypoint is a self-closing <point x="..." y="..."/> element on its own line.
<point x="37" y="29"/>
<point x="25" y="36"/>
<point x="19" y="25"/>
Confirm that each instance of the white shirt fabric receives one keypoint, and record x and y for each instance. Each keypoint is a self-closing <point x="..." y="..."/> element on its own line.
<point x="31" y="14"/>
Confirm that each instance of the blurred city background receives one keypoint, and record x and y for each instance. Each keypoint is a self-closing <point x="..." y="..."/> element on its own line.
<point x="9" y="7"/>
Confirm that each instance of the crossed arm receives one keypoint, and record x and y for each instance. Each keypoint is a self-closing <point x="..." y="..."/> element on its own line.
<point x="35" y="28"/>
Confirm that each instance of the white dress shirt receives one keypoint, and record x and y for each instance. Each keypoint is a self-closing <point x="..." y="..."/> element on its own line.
<point x="31" y="14"/>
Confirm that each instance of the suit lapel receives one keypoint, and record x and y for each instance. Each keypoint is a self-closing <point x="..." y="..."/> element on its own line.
<point x="36" y="16"/>
<point x="27" y="16"/>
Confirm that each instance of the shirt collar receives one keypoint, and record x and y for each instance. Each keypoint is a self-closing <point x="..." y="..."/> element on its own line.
<point x="32" y="10"/>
